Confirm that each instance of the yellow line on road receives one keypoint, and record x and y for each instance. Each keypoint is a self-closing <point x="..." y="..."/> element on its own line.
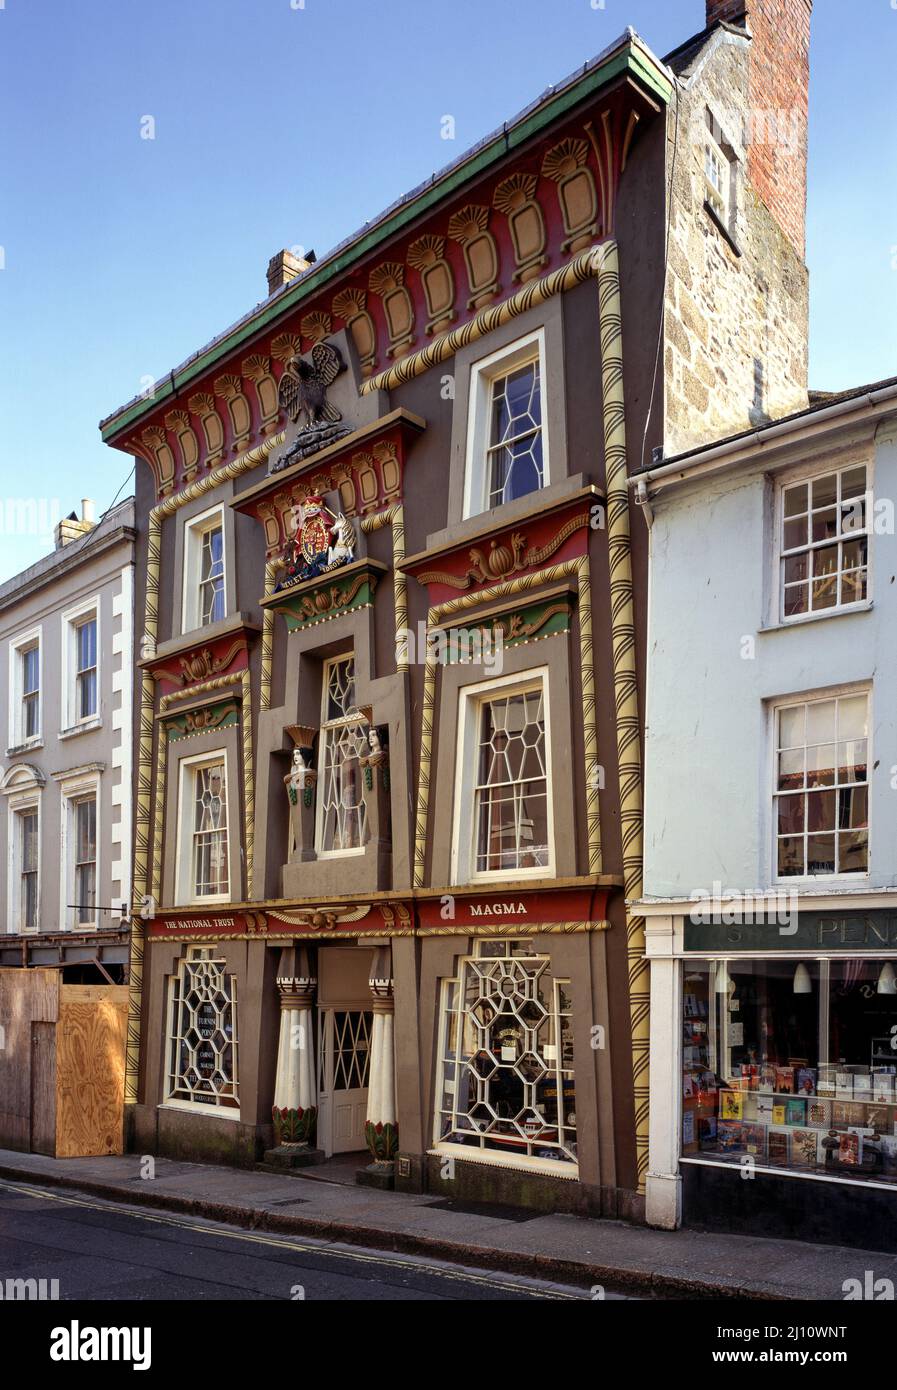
<point x="299" y="1247"/>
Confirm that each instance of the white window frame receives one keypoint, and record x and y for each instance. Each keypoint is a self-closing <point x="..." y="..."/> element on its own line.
<point x="18" y="647"/>
<point x="327" y="728"/>
<point x="185" y="894"/>
<point x="194" y="531"/>
<point x="172" y="1100"/>
<point x="471" y="698"/>
<point x="25" y="804"/>
<point x="805" y="698"/>
<point x="77" y="786"/>
<point x="72" y="619"/>
<point x="472" y="1153"/>
<point x="483" y="374"/>
<point x="721" y="200"/>
<point x="808" y="474"/>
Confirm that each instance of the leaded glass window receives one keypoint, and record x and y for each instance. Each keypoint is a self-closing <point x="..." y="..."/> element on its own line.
<point x="342" y="815"/>
<point x="506" y="1081"/>
<point x="211" y="875"/>
<point x="514" y="460"/>
<point x="203" y="1032"/>
<point x="511" y="790"/>
<point x="211" y="583"/>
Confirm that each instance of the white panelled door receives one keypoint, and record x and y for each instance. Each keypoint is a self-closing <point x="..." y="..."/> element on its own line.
<point x="344" y="1060"/>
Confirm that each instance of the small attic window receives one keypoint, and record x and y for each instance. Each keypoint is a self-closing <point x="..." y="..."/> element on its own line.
<point x="719" y="170"/>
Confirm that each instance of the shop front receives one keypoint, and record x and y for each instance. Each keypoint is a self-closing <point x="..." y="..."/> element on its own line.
<point x="774" y="1069"/>
<point x="450" y="1042"/>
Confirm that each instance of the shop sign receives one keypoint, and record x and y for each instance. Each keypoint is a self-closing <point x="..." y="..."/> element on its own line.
<point x="871" y="931"/>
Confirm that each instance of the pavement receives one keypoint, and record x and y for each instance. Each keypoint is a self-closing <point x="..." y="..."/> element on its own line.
<point x="612" y="1255"/>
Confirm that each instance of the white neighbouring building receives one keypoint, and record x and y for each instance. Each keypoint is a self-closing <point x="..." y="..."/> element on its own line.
<point x="771" y="786"/>
<point x="66" y="712"/>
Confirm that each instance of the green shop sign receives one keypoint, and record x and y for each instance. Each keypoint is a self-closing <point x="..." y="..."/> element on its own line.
<point x="760" y="933"/>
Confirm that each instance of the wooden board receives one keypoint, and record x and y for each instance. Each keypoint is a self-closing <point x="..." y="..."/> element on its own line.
<point x="90" y="1052"/>
<point x="26" y="997"/>
<point x="43" y="1088"/>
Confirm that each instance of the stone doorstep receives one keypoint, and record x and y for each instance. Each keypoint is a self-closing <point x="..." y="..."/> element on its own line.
<point x="584" y="1272"/>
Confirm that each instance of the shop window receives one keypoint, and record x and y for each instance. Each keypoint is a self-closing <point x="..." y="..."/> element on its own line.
<point x="821" y="796"/>
<point x="503" y="811"/>
<point x="505" y="1089"/>
<point x="824" y="557"/>
<point x="341" y="825"/>
<point x="204" y="571"/>
<point x="202" y="1033"/>
<point x="790" y="1064"/>
<point x="507" y="453"/>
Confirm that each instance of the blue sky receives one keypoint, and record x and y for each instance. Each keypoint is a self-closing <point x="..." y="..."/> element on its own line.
<point x="283" y="124"/>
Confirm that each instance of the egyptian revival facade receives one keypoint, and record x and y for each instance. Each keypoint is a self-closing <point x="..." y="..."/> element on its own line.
<point x="392" y="594"/>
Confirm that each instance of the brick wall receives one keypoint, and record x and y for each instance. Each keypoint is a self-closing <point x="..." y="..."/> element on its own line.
<point x="778" y="108"/>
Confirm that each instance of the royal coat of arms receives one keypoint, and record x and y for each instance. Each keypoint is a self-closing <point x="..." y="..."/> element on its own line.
<point x="322" y="540"/>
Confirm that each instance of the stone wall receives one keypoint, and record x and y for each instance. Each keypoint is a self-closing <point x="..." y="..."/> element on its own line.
<point x="737" y="298"/>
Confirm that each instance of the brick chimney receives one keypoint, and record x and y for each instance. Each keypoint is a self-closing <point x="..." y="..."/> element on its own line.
<point x="284" y="267"/>
<point x="70" y="528"/>
<point x="776" y="134"/>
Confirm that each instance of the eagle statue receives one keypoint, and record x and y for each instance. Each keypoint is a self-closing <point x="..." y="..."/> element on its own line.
<point x="303" y="386"/>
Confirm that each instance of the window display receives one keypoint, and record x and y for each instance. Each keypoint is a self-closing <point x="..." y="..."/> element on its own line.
<point x="793" y="1063"/>
<point x="507" y="1056"/>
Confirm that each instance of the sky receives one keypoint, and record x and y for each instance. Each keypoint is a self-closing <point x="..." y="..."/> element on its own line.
<point x="290" y="123"/>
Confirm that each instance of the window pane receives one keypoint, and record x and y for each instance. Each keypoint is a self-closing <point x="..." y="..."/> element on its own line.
<point x="825" y="490"/>
<point x="210" y="847"/>
<point x="796" y="533"/>
<point x="792" y="725"/>
<point x="853" y="716"/>
<point x="796" y="499"/>
<point x="821" y="721"/>
<point x="30" y="670"/>
<point x="514" y="463"/>
<point x="853" y="482"/>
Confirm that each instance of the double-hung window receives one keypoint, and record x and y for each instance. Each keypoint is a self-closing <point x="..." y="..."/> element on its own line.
<point x="86" y="694"/>
<point x="824" y="531"/>
<point x="30" y="659"/>
<point x="821" y="794"/>
<point x="507" y="451"/>
<point x="341" y="826"/>
<point x="84" y="812"/>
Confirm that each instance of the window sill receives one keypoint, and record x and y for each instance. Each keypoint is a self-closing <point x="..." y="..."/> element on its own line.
<point x="189" y="1107"/>
<point x="785" y="624"/>
<point x="549" y="1167"/>
<point x="88" y="726"/>
<point x="721" y="227"/>
<point x="33" y="746"/>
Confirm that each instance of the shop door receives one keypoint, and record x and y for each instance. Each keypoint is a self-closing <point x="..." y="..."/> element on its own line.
<point x="344" y="1064"/>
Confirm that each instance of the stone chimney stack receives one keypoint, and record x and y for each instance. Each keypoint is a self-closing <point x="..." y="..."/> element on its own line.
<point x="284" y="267"/>
<point x="70" y="528"/>
<point x="777" y="118"/>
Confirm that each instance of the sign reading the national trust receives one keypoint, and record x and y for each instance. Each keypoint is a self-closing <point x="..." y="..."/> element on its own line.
<point x="791" y="931"/>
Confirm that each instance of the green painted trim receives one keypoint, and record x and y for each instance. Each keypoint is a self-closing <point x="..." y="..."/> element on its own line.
<point x="297" y="618"/>
<point x="630" y="60"/>
<point x="529" y="616"/>
<point x="176" y="724"/>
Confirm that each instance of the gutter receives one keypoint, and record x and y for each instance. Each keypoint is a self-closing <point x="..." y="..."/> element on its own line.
<point x="730" y="452"/>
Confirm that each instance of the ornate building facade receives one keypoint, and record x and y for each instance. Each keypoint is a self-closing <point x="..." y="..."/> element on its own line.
<point x="388" y="781"/>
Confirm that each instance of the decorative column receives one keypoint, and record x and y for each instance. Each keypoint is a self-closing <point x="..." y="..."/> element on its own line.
<point x="295" y="1112"/>
<point x="381" y="1131"/>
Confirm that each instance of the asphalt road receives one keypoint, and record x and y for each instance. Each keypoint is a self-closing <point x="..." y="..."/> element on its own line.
<point x="100" y="1250"/>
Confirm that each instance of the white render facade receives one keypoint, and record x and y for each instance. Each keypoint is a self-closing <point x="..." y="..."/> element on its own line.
<point x="771" y="769"/>
<point x="66" y="710"/>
